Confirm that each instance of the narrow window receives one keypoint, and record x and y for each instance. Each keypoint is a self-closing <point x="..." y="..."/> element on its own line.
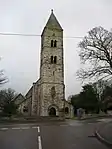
<point x="53" y="88"/>
<point x="66" y="110"/>
<point x="25" y="109"/>
<point x="51" y="59"/>
<point x="53" y="92"/>
<point x="55" y="43"/>
<point x="52" y="43"/>
<point x="55" y="59"/>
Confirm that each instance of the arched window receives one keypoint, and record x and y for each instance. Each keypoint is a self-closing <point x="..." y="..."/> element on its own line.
<point x="51" y="59"/>
<point x="52" y="43"/>
<point x="55" y="59"/>
<point x="53" y="92"/>
<point x="66" y="110"/>
<point x="55" y="43"/>
<point x="25" y="109"/>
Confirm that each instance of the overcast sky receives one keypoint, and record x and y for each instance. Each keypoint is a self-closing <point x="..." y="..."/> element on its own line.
<point x="21" y="55"/>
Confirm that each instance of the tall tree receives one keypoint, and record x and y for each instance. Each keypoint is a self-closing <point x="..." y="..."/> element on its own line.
<point x="107" y="95"/>
<point x="7" y="104"/>
<point x="100" y="86"/>
<point x="87" y="99"/>
<point x="75" y="101"/>
<point x="96" y="52"/>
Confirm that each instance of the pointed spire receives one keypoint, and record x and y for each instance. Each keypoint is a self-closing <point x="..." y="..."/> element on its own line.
<point x="53" y="22"/>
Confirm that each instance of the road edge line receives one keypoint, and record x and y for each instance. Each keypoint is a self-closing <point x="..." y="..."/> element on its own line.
<point x="39" y="142"/>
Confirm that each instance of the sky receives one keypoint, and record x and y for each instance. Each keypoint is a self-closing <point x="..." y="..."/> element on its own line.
<point x="20" y="56"/>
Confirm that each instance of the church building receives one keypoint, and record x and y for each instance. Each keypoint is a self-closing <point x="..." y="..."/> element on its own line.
<point x="46" y="97"/>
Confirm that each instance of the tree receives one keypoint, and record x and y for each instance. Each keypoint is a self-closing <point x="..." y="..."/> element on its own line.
<point x="87" y="99"/>
<point x="99" y="87"/>
<point x="3" y="79"/>
<point x="10" y="109"/>
<point x="7" y="104"/>
<point x="106" y="98"/>
<point x="96" y="52"/>
<point x="75" y="101"/>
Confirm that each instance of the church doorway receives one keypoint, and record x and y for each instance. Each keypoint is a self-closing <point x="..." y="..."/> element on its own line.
<point x="52" y="111"/>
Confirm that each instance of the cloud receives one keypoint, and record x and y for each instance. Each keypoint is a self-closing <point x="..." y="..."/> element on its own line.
<point x="21" y="55"/>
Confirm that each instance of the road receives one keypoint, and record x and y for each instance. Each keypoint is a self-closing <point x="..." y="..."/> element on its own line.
<point x="69" y="135"/>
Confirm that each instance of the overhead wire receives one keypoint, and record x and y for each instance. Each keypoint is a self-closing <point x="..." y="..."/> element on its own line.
<point x="34" y="35"/>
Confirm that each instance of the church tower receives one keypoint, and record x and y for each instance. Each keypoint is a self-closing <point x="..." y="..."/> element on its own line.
<point x="52" y="89"/>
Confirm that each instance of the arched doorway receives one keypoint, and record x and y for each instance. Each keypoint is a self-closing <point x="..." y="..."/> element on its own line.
<point x="52" y="111"/>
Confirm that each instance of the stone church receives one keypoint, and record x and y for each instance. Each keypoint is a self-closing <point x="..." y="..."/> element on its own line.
<point x="46" y="97"/>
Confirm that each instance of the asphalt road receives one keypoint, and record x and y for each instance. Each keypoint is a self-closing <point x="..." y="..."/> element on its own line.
<point x="70" y="135"/>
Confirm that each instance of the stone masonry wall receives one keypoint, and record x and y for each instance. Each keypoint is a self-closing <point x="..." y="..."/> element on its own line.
<point x="52" y="75"/>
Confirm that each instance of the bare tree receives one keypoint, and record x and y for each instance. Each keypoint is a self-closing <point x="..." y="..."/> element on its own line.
<point x="3" y="79"/>
<point x="96" y="53"/>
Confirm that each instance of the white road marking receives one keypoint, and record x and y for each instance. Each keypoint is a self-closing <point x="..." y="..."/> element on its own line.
<point x="4" y="128"/>
<point x="35" y="127"/>
<point x="16" y="128"/>
<point x="38" y="129"/>
<point x="40" y="143"/>
<point x="25" y="127"/>
<point x="17" y="125"/>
